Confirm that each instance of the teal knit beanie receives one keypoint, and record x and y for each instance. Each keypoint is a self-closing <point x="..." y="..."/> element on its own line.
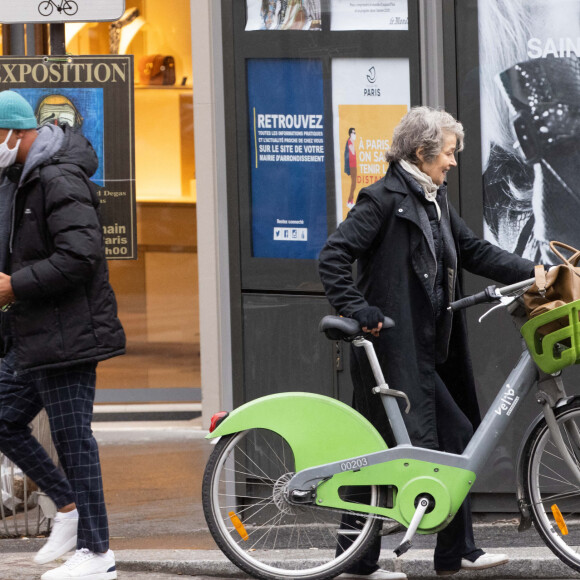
<point x="15" y="112"/>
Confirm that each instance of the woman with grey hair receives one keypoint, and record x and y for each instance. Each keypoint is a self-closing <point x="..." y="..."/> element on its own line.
<point x="410" y="246"/>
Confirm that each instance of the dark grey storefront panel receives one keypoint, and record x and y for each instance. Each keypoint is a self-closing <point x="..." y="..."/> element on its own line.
<point x="495" y="344"/>
<point x="288" y="275"/>
<point x="283" y="349"/>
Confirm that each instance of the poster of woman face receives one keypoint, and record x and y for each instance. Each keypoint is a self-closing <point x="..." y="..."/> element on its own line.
<point x="283" y="15"/>
<point x="530" y="122"/>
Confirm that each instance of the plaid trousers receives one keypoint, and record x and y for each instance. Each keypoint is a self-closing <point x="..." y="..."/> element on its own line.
<point x="68" y="395"/>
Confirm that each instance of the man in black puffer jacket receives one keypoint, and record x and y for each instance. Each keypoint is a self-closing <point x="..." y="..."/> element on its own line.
<point x="59" y="319"/>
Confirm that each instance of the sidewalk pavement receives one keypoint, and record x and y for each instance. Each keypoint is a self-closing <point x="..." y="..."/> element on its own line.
<point x="524" y="564"/>
<point x="152" y="474"/>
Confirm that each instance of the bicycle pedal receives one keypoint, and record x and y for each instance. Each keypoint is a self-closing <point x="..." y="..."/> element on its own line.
<point x="413" y="525"/>
<point x="402" y="548"/>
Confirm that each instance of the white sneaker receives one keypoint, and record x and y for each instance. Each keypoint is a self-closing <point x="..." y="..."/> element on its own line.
<point x="62" y="539"/>
<point x="377" y="575"/>
<point x="85" y="565"/>
<point x="484" y="561"/>
<point x="349" y="205"/>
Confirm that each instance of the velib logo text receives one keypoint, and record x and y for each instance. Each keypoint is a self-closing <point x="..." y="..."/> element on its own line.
<point x="508" y="402"/>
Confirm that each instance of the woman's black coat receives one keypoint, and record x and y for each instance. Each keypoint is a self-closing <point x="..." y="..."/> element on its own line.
<point x="388" y="233"/>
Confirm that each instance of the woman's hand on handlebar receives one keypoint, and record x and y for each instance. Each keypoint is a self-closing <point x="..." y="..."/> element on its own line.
<point x="370" y="319"/>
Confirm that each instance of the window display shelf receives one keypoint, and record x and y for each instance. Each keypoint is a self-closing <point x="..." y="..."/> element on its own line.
<point x="166" y="199"/>
<point x="184" y="88"/>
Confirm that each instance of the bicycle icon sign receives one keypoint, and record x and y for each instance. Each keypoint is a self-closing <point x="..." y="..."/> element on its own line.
<point x="69" y="7"/>
<point x="55" y="11"/>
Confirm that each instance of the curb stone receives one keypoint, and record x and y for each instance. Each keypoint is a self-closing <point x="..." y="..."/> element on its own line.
<point x="524" y="564"/>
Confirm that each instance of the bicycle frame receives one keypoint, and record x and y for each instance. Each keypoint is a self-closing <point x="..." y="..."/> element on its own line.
<point x="415" y="470"/>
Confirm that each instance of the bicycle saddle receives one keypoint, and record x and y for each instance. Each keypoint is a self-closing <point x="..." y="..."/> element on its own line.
<point x="340" y="328"/>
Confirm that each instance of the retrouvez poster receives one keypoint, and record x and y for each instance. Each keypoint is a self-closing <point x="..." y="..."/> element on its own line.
<point x="94" y="96"/>
<point x="288" y="188"/>
<point x="370" y="96"/>
<point x="530" y="124"/>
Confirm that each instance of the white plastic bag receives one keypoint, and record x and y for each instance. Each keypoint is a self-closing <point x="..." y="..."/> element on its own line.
<point x="8" y="471"/>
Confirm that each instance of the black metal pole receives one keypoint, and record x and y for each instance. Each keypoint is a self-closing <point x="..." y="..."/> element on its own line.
<point x="57" y="39"/>
<point x="17" y="43"/>
<point x="30" y="40"/>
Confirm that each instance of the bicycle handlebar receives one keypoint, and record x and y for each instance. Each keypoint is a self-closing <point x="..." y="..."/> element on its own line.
<point x="487" y="295"/>
<point x="490" y="294"/>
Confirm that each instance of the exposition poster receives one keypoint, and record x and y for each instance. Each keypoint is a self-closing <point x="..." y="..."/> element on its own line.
<point x="288" y="181"/>
<point x="283" y="15"/>
<point x="369" y="15"/>
<point x="94" y="96"/>
<point x="370" y="96"/>
<point x="530" y="124"/>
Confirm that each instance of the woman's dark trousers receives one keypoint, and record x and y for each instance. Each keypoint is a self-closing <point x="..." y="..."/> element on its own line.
<point x="454" y="431"/>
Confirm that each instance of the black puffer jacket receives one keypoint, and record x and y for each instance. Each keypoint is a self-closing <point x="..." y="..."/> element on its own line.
<point x="65" y="310"/>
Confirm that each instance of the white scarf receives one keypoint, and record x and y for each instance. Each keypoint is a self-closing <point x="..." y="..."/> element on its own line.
<point x="425" y="182"/>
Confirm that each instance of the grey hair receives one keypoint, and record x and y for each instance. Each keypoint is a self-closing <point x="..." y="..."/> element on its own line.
<point x="423" y="128"/>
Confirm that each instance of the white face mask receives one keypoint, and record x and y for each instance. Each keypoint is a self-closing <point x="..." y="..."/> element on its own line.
<point x="7" y="155"/>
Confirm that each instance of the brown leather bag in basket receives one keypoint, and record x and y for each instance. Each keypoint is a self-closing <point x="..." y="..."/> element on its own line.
<point x="157" y="69"/>
<point x="559" y="286"/>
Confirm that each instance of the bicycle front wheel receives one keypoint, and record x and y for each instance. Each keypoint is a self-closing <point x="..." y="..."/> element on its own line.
<point x="45" y="8"/>
<point x="552" y="490"/>
<point x="259" y="530"/>
<point x="70" y="8"/>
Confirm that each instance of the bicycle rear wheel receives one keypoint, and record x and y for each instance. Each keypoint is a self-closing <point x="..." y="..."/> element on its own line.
<point x="255" y="525"/>
<point x="550" y="482"/>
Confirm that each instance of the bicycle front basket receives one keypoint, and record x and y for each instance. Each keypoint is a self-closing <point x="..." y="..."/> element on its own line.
<point x="557" y="349"/>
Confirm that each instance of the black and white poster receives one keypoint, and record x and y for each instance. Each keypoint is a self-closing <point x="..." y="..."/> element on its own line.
<point x="94" y="96"/>
<point x="529" y="54"/>
<point x="283" y="15"/>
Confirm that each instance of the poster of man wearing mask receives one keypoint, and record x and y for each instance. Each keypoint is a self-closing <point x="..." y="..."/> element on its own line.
<point x="530" y="121"/>
<point x="94" y="96"/>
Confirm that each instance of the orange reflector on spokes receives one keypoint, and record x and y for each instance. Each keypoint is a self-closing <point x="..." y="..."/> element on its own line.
<point x="560" y="520"/>
<point x="240" y="527"/>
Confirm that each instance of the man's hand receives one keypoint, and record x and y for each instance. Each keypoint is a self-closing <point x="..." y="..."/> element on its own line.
<point x="6" y="292"/>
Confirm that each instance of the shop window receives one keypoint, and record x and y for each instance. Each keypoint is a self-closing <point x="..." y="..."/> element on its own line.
<point x="157" y="293"/>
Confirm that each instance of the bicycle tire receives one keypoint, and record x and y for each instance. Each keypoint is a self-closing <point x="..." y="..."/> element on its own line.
<point x="245" y="476"/>
<point x="549" y="481"/>
<point x="69" y="7"/>
<point x="45" y="8"/>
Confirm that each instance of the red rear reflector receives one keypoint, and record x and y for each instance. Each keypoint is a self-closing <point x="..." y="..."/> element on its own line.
<point x="216" y="420"/>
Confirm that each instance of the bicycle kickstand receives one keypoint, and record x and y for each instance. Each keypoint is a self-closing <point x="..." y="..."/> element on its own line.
<point x="415" y="521"/>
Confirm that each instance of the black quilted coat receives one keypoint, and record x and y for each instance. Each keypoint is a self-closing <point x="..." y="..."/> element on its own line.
<point x="65" y="310"/>
<point x="389" y="235"/>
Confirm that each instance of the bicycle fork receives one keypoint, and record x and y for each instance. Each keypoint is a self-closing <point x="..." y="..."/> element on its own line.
<point x="550" y="395"/>
<point x="550" y="392"/>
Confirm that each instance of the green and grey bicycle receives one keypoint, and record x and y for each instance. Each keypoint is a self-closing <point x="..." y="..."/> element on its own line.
<point x="288" y="467"/>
